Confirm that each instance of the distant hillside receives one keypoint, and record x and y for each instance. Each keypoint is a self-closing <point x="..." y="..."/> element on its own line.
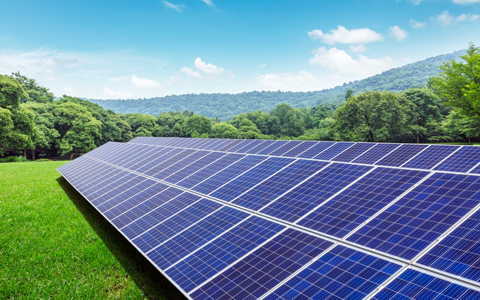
<point x="225" y="106"/>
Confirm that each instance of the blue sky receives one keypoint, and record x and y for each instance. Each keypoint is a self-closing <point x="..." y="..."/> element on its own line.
<point x="135" y="49"/>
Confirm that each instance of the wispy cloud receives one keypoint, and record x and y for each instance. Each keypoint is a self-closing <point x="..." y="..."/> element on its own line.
<point x="417" y="24"/>
<point x="446" y="19"/>
<point x="177" y="7"/>
<point x="210" y="71"/>
<point x="108" y="93"/>
<point x="263" y="65"/>
<point x="209" y="2"/>
<point x="466" y="1"/>
<point x="398" y="33"/>
<point x="345" y="36"/>
<point x="191" y="73"/>
<point x="358" y="49"/>
<point x="285" y="81"/>
<point x="144" y="83"/>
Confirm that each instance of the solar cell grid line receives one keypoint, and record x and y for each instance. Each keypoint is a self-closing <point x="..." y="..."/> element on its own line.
<point x="154" y="236"/>
<point x="104" y="177"/>
<point x="342" y="273"/>
<point x="156" y="158"/>
<point x="319" y="147"/>
<point x="102" y="149"/>
<point x="356" y="204"/>
<point x="230" y="146"/>
<point x="139" y="198"/>
<point x="247" y="180"/>
<point x="421" y="216"/>
<point x="121" y="153"/>
<point x="194" y="167"/>
<point x="137" y="158"/>
<point x="214" y="143"/>
<point x="106" y="183"/>
<point x="401" y="155"/>
<point x="83" y="179"/>
<point x="333" y="151"/>
<point x="412" y="284"/>
<point x="147" y="206"/>
<point x="224" y="250"/>
<point x="131" y="158"/>
<point x="210" y="170"/>
<point x="184" y="142"/>
<point x="226" y="175"/>
<point x="220" y="146"/>
<point x="204" y="144"/>
<point x="462" y="161"/>
<point x="168" y="142"/>
<point x="77" y="166"/>
<point x="115" y="189"/>
<point x="84" y="172"/>
<point x="169" y="161"/>
<point x="280" y="183"/>
<point x="195" y="236"/>
<point x="304" y="146"/>
<point x="260" y="271"/>
<point x="475" y="169"/>
<point x="430" y="157"/>
<point x="274" y="146"/>
<point x="353" y="152"/>
<point x="180" y="164"/>
<point x="314" y="191"/>
<point x="239" y="146"/>
<point x="376" y="153"/>
<point x="285" y="148"/>
<point x="253" y="147"/>
<point x="418" y="153"/>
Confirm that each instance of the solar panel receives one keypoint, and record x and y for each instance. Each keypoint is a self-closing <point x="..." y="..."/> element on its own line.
<point x="293" y="219"/>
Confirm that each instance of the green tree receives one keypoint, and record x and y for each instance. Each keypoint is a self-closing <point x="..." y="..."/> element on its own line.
<point x="200" y="124"/>
<point x="292" y="123"/>
<point x="35" y="92"/>
<point x="143" y="125"/>
<point x="223" y="131"/>
<point x="248" y="130"/>
<point x="348" y="94"/>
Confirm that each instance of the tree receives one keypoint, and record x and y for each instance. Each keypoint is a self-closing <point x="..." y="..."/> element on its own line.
<point x="290" y="119"/>
<point x="200" y="124"/>
<point x="247" y="130"/>
<point x="143" y="125"/>
<point x="35" y="92"/>
<point x="459" y="82"/>
<point x="224" y="131"/>
<point x="348" y="94"/>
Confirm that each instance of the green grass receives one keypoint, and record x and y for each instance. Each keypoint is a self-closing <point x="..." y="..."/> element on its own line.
<point x="55" y="245"/>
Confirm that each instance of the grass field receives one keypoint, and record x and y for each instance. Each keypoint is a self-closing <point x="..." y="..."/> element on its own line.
<point x="55" y="245"/>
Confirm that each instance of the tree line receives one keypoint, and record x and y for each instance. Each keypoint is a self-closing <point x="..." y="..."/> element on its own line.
<point x="446" y="109"/>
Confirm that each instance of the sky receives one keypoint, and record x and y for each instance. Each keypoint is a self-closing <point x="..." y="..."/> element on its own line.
<point x="151" y="48"/>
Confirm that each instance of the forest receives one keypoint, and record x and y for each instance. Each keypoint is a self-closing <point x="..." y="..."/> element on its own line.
<point x="445" y="109"/>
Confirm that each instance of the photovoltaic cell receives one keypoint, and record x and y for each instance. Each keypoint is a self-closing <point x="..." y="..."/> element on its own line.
<point x="412" y="284"/>
<point x="127" y="194"/>
<point x="333" y="151"/>
<point x="273" y="147"/>
<point x="232" y="144"/>
<point x="430" y="157"/>
<point x="420" y="217"/>
<point x="301" y="200"/>
<point x="342" y="273"/>
<point x="267" y="266"/>
<point x="239" y="146"/>
<point x="248" y="180"/>
<point x="192" y="167"/>
<point x="278" y="184"/>
<point x="375" y="153"/>
<point x="143" y="167"/>
<point x="114" y="189"/>
<point x="222" y="252"/>
<point x="169" y="162"/>
<point x="138" y="158"/>
<point x="254" y="147"/>
<point x="110" y="185"/>
<point x="212" y="144"/>
<point x="459" y="252"/>
<point x="353" y="152"/>
<point x="196" y="236"/>
<point x="285" y="148"/>
<point x="222" y="145"/>
<point x="360" y="201"/>
<point x="401" y="155"/>
<point x="461" y="161"/>
<point x="299" y="149"/>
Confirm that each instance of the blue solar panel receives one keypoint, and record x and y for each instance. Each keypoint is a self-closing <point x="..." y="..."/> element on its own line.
<point x="150" y="205"/>
<point x="115" y="189"/>
<point x="168" y="162"/>
<point x="299" y="149"/>
<point x="230" y="145"/>
<point x="462" y="161"/>
<point x="254" y="147"/>
<point x="192" y="166"/>
<point x="430" y="157"/>
<point x="101" y="179"/>
<point x="475" y="170"/>
<point x="167" y="228"/>
<point x="222" y="252"/>
<point x="110" y="184"/>
<point x="375" y="153"/>
<point x="412" y="284"/>
<point x="401" y="155"/>
<point x="127" y="194"/>
<point x="278" y="184"/>
<point x="459" y="252"/>
<point x="210" y="145"/>
<point x="196" y="236"/>
<point x="273" y="147"/>
<point x="342" y="273"/>
<point x="360" y="201"/>
<point x="248" y="180"/>
<point x="149" y="163"/>
<point x="333" y="151"/>
<point x="262" y="270"/>
<point x="240" y="146"/>
<point x="129" y="160"/>
<point x="353" y="152"/>
<point x="285" y="148"/>
<point x="228" y="174"/>
<point x="301" y="200"/>
<point x="417" y="219"/>
<point x="221" y="145"/>
<point x="150" y="154"/>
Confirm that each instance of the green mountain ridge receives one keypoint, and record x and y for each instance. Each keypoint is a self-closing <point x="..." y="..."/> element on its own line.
<point x="225" y="106"/>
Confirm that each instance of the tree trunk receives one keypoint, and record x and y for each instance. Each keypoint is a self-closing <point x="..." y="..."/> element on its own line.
<point x="25" y="153"/>
<point x="71" y="155"/>
<point x="469" y="139"/>
<point x="418" y="139"/>
<point x="33" y="154"/>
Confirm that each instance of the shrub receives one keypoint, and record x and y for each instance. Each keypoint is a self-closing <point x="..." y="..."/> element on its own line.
<point x="13" y="159"/>
<point x="42" y="160"/>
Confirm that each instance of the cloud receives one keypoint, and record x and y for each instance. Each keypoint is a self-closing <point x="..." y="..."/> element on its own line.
<point x="285" y="81"/>
<point x="174" y="80"/>
<point x="398" y="33"/>
<point x="339" y="60"/>
<point x="417" y="24"/>
<point x="111" y="94"/>
<point x="345" y="36"/>
<point x="191" y="73"/>
<point x="263" y="65"/>
<point x="177" y="7"/>
<point x="209" y="2"/>
<point x="69" y="90"/>
<point x="144" y="83"/>
<point x="446" y="19"/>
<point x="358" y="49"/>
<point x="466" y="1"/>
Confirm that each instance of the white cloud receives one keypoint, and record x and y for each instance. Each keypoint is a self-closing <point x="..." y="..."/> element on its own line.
<point x="177" y="7"/>
<point x="285" y="81"/>
<point x="466" y="1"/>
<point x="191" y="73"/>
<point x="345" y="36"/>
<point x="144" y="83"/>
<point x="174" y="80"/>
<point x="111" y="94"/>
<point x="445" y="19"/>
<point x="69" y="90"/>
<point x="339" y="60"/>
<point x="209" y="69"/>
<point x="263" y="65"/>
<point x="208" y="2"/>
<point x="358" y="48"/>
<point x="417" y="24"/>
<point x="398" y="33"/>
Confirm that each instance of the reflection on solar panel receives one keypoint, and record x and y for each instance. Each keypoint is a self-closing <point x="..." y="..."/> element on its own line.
<point x="248" y="219"/>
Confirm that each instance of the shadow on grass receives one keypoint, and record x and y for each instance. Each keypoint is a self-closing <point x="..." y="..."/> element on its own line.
<point x="152" y="283"/>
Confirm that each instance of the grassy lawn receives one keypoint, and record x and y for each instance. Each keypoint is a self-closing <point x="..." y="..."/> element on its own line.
<point x="54" y="244"/>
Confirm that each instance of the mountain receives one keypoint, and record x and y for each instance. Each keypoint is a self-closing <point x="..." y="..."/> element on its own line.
<point x="225" y="106"/>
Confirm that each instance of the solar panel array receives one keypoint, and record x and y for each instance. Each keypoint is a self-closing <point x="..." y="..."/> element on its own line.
<point x="254" y="219"/>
